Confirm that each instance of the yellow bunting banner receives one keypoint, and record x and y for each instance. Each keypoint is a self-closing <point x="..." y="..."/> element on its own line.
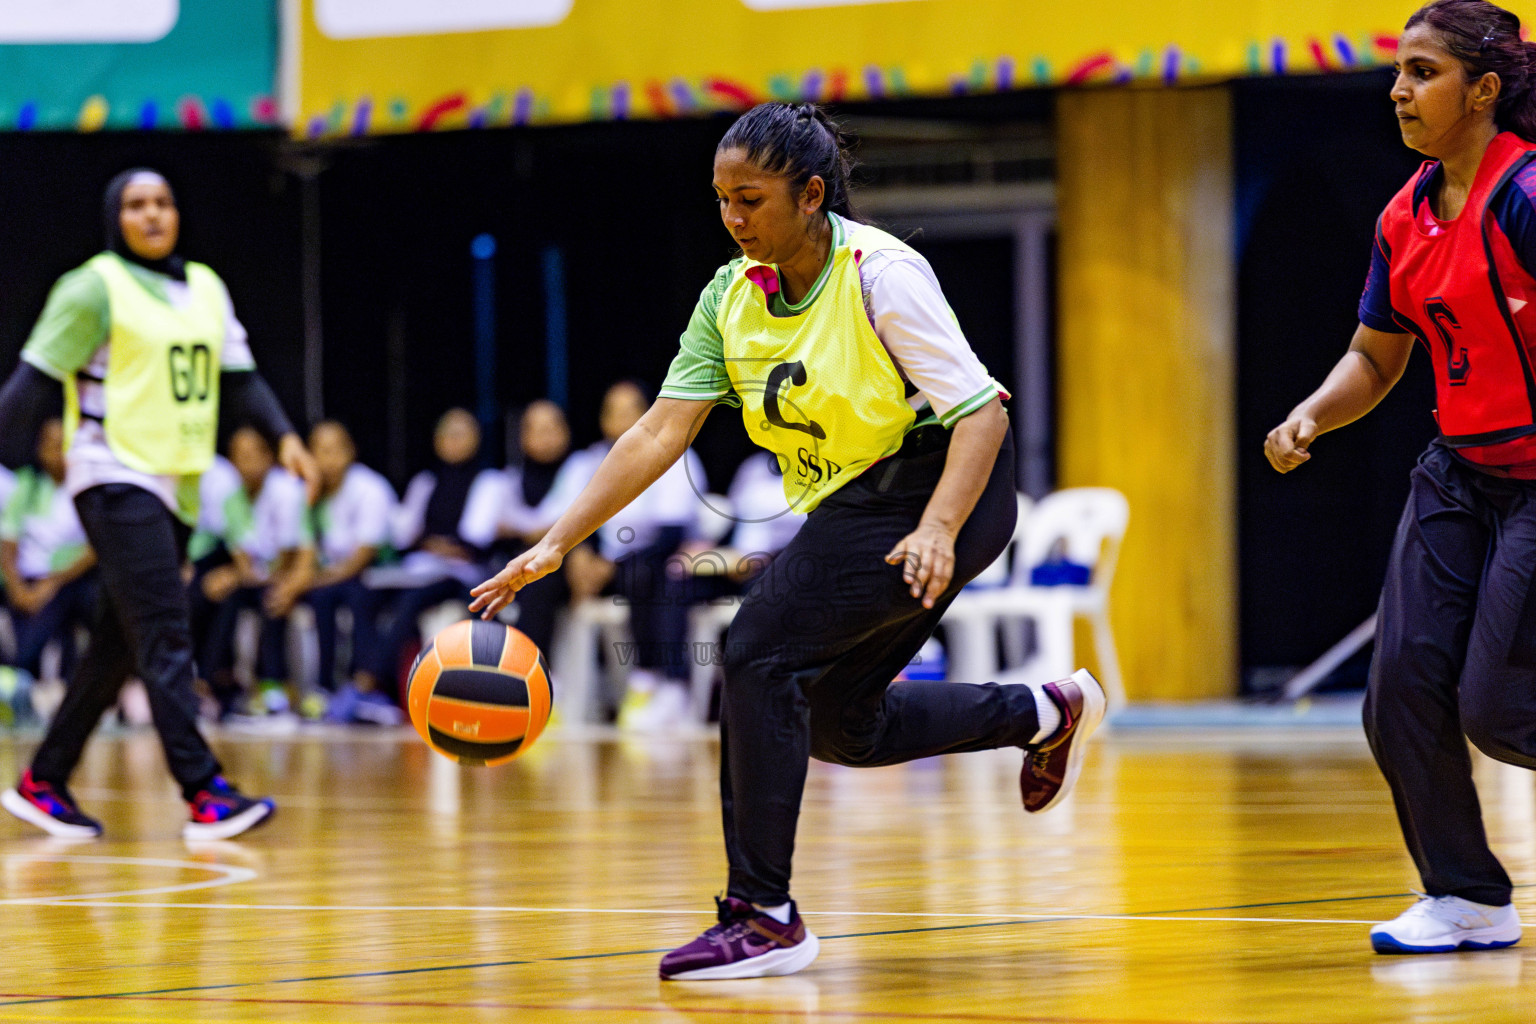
<point x="371" y="66"/>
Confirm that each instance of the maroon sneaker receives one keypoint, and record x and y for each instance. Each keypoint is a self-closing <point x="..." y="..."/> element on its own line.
<point x="1051" y="769"/>
<point x="746" y="943"/>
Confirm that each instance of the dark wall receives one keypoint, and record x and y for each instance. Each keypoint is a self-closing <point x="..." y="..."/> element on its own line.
<point x="1316" y="159"/>
<point x="629" y="206"/>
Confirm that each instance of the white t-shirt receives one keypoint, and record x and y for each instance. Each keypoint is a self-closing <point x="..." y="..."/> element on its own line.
<point x="261" y="528"/>
<point x="913" y="321"/>
<point x="48" y="536"/>
<point x="491" y="498"/>
<point x="764" y="520"/>
<point x="410" y="520"/>
<point x="673" y="500"/>
<point x="496" y="507"/>
<point x="357" y="516"/>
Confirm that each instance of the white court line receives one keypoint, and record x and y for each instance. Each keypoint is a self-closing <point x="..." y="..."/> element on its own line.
<point x="228" y="875"/>
<point x="1000" y="918"/>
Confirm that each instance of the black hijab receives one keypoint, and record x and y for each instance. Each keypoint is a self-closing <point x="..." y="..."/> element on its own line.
<point x="112" y="211"/>
<point x="449" y="496"/>
<point x="539" y="479"/>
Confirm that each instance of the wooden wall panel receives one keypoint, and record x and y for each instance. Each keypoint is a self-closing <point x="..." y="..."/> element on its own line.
<point x="1146" y="372"/>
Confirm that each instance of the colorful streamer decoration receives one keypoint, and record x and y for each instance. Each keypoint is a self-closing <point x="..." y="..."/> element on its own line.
<point x="93" y="114"/>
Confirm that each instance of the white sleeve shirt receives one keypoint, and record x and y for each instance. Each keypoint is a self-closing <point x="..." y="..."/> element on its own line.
<point x="410" y="518"/>
<point x="913" y="321"/>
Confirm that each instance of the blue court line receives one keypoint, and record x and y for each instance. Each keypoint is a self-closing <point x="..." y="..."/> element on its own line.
<point x="651" y="952"/>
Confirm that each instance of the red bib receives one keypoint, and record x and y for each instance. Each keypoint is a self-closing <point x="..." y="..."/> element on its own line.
<point x="1460" y="289"/>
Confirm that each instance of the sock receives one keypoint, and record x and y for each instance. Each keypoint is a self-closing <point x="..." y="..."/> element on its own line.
<point x="779" y="913"/>
<point x="1048" y="713"/>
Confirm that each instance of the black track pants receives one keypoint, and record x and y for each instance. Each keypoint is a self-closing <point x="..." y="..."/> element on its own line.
<point x="811" y="654"/>
<point x="142" y="628"/>
<point x="1455" y="659"/>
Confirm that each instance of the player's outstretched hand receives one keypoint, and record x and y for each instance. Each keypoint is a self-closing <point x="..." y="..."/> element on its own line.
<point x="927" y="558"/>
<point x="1289" y="444"/>
<point x="497" y="592"/>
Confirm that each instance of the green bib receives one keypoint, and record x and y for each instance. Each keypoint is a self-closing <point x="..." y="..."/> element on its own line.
<point x="162" y="383"/>
<point x="817" y="388"/>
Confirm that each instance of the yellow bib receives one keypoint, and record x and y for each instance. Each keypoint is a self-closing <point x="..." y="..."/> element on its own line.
<point x="162" y="383"/>
<point x="817" y="388"/>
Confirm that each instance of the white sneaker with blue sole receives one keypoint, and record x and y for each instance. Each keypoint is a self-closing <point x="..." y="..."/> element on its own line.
<point x="1445" y="924"/>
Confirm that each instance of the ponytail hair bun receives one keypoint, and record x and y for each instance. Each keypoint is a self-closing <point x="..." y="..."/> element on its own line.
<point x="799" y="141"/>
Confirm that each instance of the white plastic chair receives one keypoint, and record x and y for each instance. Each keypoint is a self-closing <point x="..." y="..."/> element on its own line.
<point x="706" y="625"/>
<point x="602" y="620"/>
<point x="1087" y="525"/>
<point x="574" y="662"/>
<point x="707" y="621"/>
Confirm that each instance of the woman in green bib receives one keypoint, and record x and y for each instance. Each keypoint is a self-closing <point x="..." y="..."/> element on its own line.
<point x="834" y="340"/>
<point x="149" y="355"/>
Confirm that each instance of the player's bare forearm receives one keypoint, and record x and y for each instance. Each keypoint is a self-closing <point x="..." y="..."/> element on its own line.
<point x="927" y="554"/>
<point x="637" y="460"/>
<point x="973" y="447"/>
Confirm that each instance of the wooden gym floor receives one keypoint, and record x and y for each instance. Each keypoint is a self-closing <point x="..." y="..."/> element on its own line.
<point x="1192" y="878"/>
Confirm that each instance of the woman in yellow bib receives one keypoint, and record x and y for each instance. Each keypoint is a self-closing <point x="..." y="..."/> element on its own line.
<point x="149" y="355"/>
<point x="835" y="341"/>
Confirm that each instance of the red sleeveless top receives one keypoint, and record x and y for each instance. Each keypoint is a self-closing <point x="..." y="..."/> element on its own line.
<point x="1458" y="286"/>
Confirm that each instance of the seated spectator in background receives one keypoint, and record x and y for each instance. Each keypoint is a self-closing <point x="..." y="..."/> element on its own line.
<point x="439" y="564"/>
<point x="206" y="552"/>
<point x="261" y="523"/>
<point x="45" y="556"/>
<point x="351" y="528"/>
<point x="10" y="685"/>
<point x="508" y="513"/>
<point x="7" y="485"/>
<point x="763" y="524"/>
<point x="629" y="562"/>
<point x="429" y="522"/>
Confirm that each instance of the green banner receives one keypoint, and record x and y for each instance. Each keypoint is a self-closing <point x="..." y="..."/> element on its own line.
<point x="87" y="65"/>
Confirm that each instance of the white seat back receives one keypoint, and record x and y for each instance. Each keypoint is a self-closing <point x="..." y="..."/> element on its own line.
<point x="716" y="518"/>
<point x="1086" y="524"/>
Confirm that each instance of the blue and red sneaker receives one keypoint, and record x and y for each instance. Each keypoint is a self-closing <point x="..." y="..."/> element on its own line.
<point x="745" y="943"/>
<point x="220" y="811"/>
<point x="50" y="808"/>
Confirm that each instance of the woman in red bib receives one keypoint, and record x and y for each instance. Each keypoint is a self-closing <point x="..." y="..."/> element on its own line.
<point x="1456" y="634"/>
<point x="834" y="340"/>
